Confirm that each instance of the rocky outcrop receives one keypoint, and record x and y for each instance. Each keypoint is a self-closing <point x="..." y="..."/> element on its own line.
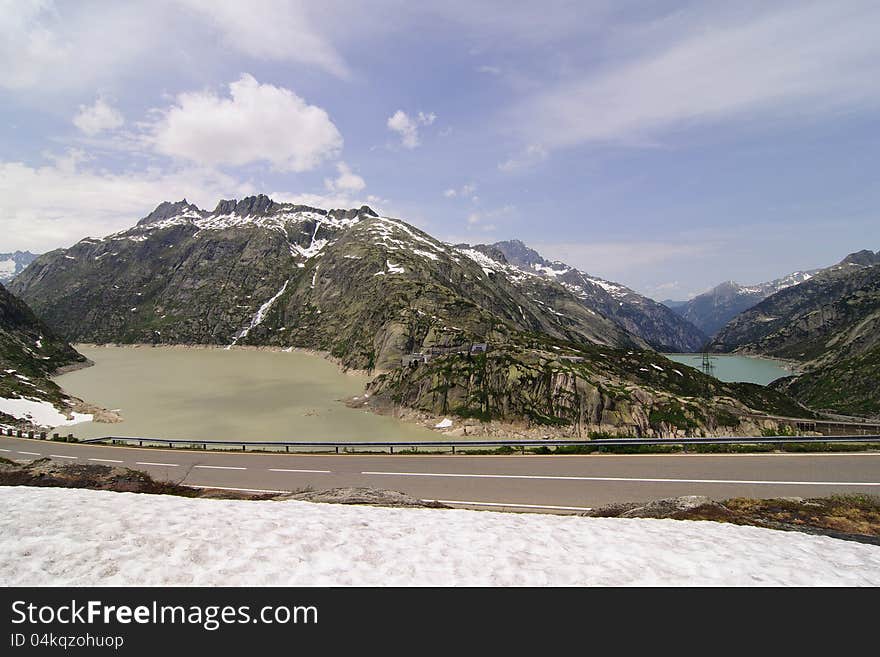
<point x="366" y="496"/>
<point x="568" y="390"/>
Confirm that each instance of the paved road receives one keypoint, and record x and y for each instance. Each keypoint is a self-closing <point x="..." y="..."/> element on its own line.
<point x="540" y="483"/>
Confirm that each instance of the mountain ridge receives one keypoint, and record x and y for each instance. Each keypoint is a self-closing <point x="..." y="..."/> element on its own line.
<point x="378" y="294"/>
<point x="658" y="325"/>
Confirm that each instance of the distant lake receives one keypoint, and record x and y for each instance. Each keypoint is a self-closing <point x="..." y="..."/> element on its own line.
<point x="219" y="394"/>
<point x="729" y="367"/>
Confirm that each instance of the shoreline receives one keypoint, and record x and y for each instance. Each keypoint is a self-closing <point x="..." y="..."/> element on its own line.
<point x="789" y="364"/>
<point x="326" y="355"/>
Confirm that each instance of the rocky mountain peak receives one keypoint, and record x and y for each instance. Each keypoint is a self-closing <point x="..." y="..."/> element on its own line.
<point x="865" y="258"/>
<point x="518" y="254"/>
<point x="167" y="209"/>
<point x="489" y="250"/>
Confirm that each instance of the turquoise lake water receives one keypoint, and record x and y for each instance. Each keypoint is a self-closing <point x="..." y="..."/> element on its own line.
<point x="729" y="367"/>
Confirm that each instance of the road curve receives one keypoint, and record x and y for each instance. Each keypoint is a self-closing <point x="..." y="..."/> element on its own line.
<point x="538" y="483"/>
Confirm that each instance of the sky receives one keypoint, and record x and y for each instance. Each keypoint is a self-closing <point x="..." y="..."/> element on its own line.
<point x="665" y="145"/>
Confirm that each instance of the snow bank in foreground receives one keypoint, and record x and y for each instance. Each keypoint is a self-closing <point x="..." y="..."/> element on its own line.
<point x="41" y="413"/>
<point x="53" y="536"/>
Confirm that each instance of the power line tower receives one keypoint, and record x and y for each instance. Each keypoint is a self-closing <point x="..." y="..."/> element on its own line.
<point x="708" y="367"/>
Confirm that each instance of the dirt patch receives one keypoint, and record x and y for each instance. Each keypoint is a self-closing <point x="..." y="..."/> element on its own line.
<point x="849" y="517"/>
<point x="46" y="472"/>
<point x="370" y="496"/>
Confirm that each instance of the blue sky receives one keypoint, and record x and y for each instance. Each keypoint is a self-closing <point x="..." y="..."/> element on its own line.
<point x="665" y="145"/>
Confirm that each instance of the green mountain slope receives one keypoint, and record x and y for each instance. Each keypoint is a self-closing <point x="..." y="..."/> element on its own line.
<point x="376" y="293"/>
<point x="831" y="324"/>
<point x="29" y="353"/>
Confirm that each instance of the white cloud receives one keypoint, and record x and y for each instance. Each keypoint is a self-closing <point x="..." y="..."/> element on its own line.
<point x="529" y="157"/>
<point x="624" y="257"/>
<point x="408" y="128"/>
<point x="49" y="48"/>
<point x="804" y="59"/>
<point x="478" y="219"/>
<point x="426" y="119"/>
<point x="346" y="181"/>
<point x="98" y="117"/>
<point x="51" y="206"/>
<point x="271" y="29"/>
<point x="491" y="70"/>
<point x="465" y="190"/>
<point x="259" y="122"/>
<point x="330" y="201"/>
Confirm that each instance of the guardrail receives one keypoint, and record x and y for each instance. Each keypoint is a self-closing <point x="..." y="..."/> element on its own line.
<point x="453" y="444"/>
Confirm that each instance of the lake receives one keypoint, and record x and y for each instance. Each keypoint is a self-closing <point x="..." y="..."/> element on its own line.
<point x="733" y="367"/>
<point x="219" y="394"/>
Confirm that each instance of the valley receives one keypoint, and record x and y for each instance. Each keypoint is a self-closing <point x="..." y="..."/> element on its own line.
<point x="561" y="353"/>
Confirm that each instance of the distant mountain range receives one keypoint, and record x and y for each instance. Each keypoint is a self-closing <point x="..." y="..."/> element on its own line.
<point x="831" y="324"/>
<point x="712" y="310"/>
<point x="567" y="351"/>
<point x="12" y="264"/>
<point x="660" y="327"/>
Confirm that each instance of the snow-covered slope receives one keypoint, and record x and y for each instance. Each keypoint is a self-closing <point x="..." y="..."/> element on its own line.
<point x="14" y="263"/>
<point x="62" y="537"/>
<point x="658" y="325"/>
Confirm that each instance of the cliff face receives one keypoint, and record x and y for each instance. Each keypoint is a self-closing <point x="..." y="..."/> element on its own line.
<point x="569" y="390"/>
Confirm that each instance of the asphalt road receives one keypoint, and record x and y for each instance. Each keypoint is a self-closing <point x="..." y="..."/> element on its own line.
<point x="539" y="483"/>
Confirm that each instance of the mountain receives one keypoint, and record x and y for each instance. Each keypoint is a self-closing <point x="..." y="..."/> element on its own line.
<point x="12" y="264"/>
<point x="831" y="324"/>
<point x="30" y="353"/>
<point x="365" y="288"/>
<point x="377" y="293"/>
<point x="711" y="310"/>
<point x="656" y="324"/>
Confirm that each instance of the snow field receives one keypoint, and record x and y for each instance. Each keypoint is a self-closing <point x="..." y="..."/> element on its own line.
<point x="53" y="536"/>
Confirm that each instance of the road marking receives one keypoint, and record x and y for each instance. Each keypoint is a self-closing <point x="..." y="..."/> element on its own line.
<point x="170" y="465"/>
<point x="62" y="456"/>
<point x="106" y="460"/>
<point x="245" y="490"/>
<point x="635" y="479"/>
<point x="290" y="470"/>
<point x="31" y="453"/>
<point x="516" y="506"/>
<point x="220" y="467"/>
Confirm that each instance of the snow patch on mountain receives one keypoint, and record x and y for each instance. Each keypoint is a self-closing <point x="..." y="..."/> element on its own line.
<point x="39" y="412"/>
